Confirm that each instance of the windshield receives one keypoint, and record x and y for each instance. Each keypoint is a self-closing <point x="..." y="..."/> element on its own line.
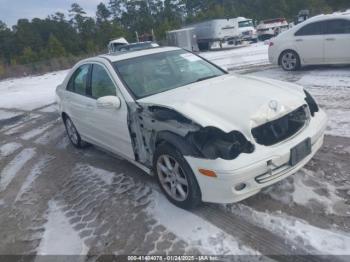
<point x="247" y="23"/>
<point x="156" y="73"/>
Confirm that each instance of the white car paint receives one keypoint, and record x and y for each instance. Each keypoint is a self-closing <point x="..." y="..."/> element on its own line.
<point x="230" y="103"/>
<point x="209" y="106"/>
<point x="325" y="48"/>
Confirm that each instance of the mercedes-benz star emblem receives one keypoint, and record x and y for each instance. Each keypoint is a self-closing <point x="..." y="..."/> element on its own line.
<point x="273" y="105"/>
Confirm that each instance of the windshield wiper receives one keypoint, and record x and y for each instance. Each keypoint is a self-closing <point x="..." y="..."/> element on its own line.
<point x="205" y="78"/>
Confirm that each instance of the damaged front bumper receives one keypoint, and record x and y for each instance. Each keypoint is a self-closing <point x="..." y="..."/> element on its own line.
<point x="246" y="175"/>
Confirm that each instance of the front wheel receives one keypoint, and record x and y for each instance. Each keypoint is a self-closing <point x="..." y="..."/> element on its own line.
<point x="290" y="61"/>
<point x="176" y="177"/>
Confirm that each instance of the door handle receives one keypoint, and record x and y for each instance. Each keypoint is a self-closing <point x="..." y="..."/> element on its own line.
<point x="330" y="39"/>
<point x="299" y="40"/>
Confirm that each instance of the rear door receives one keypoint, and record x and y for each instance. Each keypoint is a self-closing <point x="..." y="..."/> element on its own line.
<point x="75" y="98"/>
<point x="108" y="126"/>
<point x="337" y="41"/>
<point x="309" y="42"/>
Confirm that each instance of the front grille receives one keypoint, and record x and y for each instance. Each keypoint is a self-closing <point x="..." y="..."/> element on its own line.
<point x="273" y="174"/>
<point x="281" y="129"/>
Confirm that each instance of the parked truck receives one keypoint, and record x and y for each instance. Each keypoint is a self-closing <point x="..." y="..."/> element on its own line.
<point x="272" y="27"/>
<point x="302" y="16"/>
<point x="216" y="34"/>
<point x="246" y="29"/>
<point x="114" y="44"/>
<point x="184" y="38"/>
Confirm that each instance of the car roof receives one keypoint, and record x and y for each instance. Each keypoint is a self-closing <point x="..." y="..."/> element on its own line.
<point x="322" y="17"/>
<point x="137" y="53"/>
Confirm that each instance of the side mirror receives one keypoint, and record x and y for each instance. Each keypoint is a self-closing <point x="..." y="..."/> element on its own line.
<point x="109" y="102"/>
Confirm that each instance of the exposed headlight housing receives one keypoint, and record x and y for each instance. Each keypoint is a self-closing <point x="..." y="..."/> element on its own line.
<point x="311" y="103"/>
<point x="214" y="143"/>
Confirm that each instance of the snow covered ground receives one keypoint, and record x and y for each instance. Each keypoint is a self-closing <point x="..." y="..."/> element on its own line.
<point x="30" y="92"/>
<point x="194" y="230"/>
<point x="242" y="57"/>
<point x="55" y="199"/>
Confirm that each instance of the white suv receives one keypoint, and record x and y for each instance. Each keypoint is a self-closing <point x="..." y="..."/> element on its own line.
<point x="207" y="135"/>
<point x="324" y="39"/>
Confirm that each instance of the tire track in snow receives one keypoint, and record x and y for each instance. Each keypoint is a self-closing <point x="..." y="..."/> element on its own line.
<point x="59" y="237"/>
<point x="315" y="240"/>
<point x="263" y="240"/>
<point x="195" y="231"/>
<point x="115" y="214"/>
<point x="9" y="148"/>
<point x="33" y="175"/>
<point x="52" y="135"/>
<point x="12" y="168"/>
<point x="98" y="204"/>
<point x="37" y="131"/>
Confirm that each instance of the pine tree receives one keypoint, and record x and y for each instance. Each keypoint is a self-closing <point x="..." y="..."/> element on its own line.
<point x="102" y="14"/>
<point x="28" y="56"/>
<point x="55" y="48"/>
<point x="77" y="15"/>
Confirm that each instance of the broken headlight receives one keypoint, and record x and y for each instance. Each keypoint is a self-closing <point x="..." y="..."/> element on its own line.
<point x="214" y="143"/>
<point x="311" y="103"/>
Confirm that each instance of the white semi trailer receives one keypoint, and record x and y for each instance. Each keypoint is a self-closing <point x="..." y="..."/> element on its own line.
<point x="215" y="34"/>
<point x="185" y="38"/>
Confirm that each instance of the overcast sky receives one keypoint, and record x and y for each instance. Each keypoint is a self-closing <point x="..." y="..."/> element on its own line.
<point x="12" y="10"/>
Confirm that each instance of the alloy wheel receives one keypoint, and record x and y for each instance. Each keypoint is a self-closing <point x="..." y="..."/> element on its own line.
<point x="172" y="178"/>
<point x="289" y="61"/>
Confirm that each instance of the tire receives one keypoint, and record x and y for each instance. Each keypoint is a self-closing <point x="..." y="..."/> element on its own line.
<point x="290" y="60"/>
<point x="203" y="46"/>
<point x="171" y="179"/>
<point x="73" y="133"/>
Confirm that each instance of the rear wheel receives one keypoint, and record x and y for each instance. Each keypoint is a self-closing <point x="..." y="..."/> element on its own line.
<point x="73" y="134"/>
<point x="176" y="178"/>
<point x="203" y="46"/>
<point x="290" y="60"/>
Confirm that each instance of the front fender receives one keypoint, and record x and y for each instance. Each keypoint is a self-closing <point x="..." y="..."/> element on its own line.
<point x="178" y="142"/>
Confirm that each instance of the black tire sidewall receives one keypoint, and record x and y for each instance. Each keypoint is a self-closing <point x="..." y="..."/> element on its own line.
<point x="194" y="194"/>
<point x="79" y="144"/>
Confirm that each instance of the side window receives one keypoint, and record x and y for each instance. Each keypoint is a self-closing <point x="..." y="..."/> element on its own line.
<point x="338" y="26"/>
<point x="312" y="29"/>
<point x="101" y="83"/>
<point x="78" y="81"/>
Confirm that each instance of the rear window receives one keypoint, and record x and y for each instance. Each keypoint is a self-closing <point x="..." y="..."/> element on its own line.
<point x="338" y="26"/>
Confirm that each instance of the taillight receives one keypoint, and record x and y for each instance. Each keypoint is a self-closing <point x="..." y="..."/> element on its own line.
<point x="271" y="44"/>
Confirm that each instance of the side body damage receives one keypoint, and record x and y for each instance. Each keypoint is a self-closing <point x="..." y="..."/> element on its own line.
<point x="150" y="125"/>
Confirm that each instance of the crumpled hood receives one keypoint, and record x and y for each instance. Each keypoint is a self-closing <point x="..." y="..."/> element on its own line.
<point x="232" y="102"/>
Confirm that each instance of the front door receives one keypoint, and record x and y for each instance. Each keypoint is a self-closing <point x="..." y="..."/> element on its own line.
<point x="108" y="126"/>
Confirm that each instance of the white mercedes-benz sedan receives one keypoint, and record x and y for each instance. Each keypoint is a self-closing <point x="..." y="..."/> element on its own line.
<point x="205" y="134"/>
<point x="323" y="39"/>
